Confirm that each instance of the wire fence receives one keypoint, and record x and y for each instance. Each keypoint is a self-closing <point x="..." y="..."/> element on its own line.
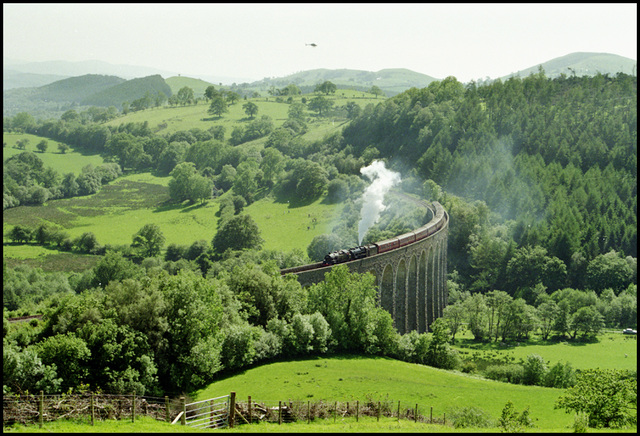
<point x="252" y="411"/>
<point x="220" y="412"/>
<point x="28" y="409"/>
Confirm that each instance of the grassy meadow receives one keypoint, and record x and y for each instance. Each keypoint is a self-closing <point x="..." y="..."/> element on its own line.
<point x="351" y="378"/>
<point x="70" y="162"/>
<point x="612" y="350"/>
<point x="172" y="119"/>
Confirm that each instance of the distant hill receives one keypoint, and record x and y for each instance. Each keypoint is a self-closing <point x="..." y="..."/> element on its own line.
<point x="12" y="79"/>
<point x="391" y="81"/>
<point x="128" y="91"/>
<point x="88" y="90"/>
<point x="582" y="64"/>
<point x="67" y="68"/>
<point x="198" y="85"/>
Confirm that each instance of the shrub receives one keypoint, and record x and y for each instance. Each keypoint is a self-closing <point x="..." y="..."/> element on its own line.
<point x="465" y="417"/>
<point x="535" y="369"/>
<point x="511" y="373"/>
<point x="561" y="376"/>
<point x="580" y="422"/>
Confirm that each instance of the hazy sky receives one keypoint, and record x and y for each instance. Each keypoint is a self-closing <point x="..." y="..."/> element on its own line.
<point x="253" y="41"/>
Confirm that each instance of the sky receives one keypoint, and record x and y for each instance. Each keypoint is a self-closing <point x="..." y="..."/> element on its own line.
<point x="253" y="41"/>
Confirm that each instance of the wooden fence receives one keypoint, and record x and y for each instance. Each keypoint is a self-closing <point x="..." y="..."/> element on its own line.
<point x="220" y="412"/>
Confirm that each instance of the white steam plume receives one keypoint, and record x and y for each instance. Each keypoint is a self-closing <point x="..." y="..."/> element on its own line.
<point x="382" y="180"/>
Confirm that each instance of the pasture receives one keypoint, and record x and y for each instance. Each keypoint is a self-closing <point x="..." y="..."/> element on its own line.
<point x="349" y="378"/>
<point x="172" y="119"/>
<point x="121" y="208"/>
<point x="70" y="162"/>
<point x="612" y="350"/>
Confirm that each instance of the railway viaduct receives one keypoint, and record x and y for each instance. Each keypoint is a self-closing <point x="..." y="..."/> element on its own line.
<point x="411" y="280"/>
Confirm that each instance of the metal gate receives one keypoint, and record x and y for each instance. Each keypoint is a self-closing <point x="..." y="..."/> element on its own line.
<point x="211" y="413"/>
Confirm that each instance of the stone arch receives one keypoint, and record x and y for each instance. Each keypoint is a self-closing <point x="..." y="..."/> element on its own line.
<point x="401" y="297"/>
<point x="412" y="295"/>
<point x="386" y="290"/>
<point x="421" y="306"/>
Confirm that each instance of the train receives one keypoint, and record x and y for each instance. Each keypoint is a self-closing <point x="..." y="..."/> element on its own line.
<point x="347" y="255"/>
<point x="362" y="251"/>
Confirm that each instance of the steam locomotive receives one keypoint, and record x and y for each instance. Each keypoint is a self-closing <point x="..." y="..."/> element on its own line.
<point x="362" y="251"/>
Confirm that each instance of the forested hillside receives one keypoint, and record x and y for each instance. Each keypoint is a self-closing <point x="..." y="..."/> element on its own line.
<point x="555" y="161"/>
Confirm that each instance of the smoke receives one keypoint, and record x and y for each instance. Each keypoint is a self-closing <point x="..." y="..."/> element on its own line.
<point x="382" y="180"/>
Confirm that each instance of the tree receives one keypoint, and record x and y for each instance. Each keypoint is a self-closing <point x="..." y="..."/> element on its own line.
<point x="353" y="110"/>
<point x="608" y="271"/>
<point x="326" y="88"/>
<point x="320" y="104"/>
<point x="211" y="92"/>
<point x="42" y="145"/>
<point x="62" y="147"/>
<point x="376" y="91"/>
<point x="455" y="314"/>
<point x="607" y="396"/>
<point x="179" y="183"/>
<point x="218" y="106"/>
<point x="20" y="233"/>
<point x="250" y="108"/>
<point x="237" y="233"/>
<point x="185" y="95"/>
<point x="149" y="240"/>
<point x="322" y="245"/>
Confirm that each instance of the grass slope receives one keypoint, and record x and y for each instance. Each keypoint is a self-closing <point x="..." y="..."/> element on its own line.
<point x="198" y="85"/>
<point x="351" y="378"/>
<point x="620" y="350"/>
<point x="70" y="162"/>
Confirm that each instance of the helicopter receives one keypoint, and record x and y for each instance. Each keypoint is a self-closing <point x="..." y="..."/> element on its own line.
<point x="313" y="44"/>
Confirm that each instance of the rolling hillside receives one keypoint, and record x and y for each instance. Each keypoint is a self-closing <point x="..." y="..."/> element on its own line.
<point x="392" y="81"/>
<point x="582" y="64"/>
<point x="128" y="91"/>
<point x="198" y="85"/>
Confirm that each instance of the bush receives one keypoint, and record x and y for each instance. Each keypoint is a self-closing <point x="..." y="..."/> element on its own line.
<point x="535" y="369"/>
<point x="561" y="376"/>
<point x="580" y="422"/>
<point x="511" y="373"/>
<point x="465" y="417"/>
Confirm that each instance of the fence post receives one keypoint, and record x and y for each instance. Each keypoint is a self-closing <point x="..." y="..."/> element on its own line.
<point x="431" y="415"/>
<point x="279" y="412"/>
<point x="133" y="408"/>
<point x="415" y="415"/>
<point x="357" y="409"/>
<point x="335" y="412"/>
<point x="378" y="410"/>
<point x="166" y="409"/>
<point x="93" y="411"/>
<point x="232" y="409"/>
<point x="398" y="410"/>
<point x="250" y="413"/>
<point x="444" y="419"/>
<point x="308" y="411"/>
<point x="41" y="409"/>
<point x="183" y="418"/>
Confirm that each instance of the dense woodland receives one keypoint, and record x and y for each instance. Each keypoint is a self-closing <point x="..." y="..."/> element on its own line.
<point x="538" y="175"/>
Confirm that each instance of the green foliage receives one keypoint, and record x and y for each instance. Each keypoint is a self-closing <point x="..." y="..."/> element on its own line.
<point x="535" y="369"/>
<point x="512" y="422"/>
<point x="607" y="396"/>
<point x="466" y="417"/>
<point x="149" y="240"/>
<point x="237" y="233"/>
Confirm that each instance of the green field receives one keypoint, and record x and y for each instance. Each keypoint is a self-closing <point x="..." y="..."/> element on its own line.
<point x="172" y="119"/>
<point x="351" y="378"/>
<point x="613" y="350"/>
<point x="121" y="208"/>
<point x="70" y="162"/>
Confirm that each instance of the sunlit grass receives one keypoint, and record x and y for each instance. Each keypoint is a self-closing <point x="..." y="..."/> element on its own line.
<point x="70" y="162"/>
